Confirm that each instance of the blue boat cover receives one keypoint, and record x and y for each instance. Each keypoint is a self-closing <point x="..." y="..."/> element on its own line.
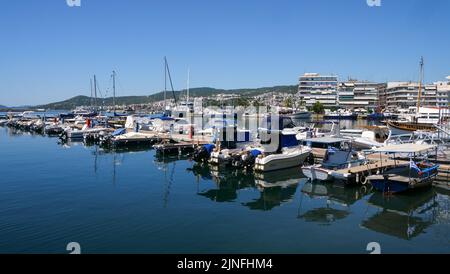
<point x="119" y="131"/>
<point x="255" y="152"/>
<point x="288" y="140"/>
<point x="155" y="116"/>
<point x="165" y="118"/>
<point x="430" y="169"/>
<point x="209" y="147"/>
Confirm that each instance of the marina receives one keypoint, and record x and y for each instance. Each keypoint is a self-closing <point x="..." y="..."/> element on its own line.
<point x="174" y="166"/>
<point x="169" y="204"/>
<point x="224" y="135"/>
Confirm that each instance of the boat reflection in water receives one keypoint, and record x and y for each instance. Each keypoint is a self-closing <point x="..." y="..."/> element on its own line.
<point x="402" y="216"/>
<point x="276" y="188"/>
<point x="227" y="183"/>
<point x="337" y="200"/>
<point x="272" y="189"/>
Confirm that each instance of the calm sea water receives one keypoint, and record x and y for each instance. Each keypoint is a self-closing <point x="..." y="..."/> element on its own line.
<point x="134" y="202"/>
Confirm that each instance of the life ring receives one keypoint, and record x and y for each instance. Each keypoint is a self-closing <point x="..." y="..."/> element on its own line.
<point x="363" y="190"/>
<point x="363" y="179"/>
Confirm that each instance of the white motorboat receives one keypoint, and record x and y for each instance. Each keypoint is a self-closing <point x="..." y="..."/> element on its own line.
<point x="79" y="134"/>
<point x="351" y="132"/>
<point x="288" y="158"/>
<point x="371" y="138"/>
<point x="315" y="132"/>
<point x="334" y="159"/>
<point x="301" y="114"/>
<point x="340" y="115"/>
<point x="132" y="138"/>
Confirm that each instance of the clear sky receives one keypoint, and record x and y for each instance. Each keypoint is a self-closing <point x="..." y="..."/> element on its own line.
<point x="48" y="51"/>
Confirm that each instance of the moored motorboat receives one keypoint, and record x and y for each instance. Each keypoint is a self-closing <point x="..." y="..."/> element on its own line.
<point x="373" y="137"/>
<point x="300" y="114"/>
<point x="405" y="176"/>
<point x="289" y="157"/>
<point x="335" y="159"/>
<point x="340" y="115"/>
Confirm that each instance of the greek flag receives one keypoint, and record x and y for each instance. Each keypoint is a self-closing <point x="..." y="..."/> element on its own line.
<point x="332" y="150"/>
<point x="413" y="165"/>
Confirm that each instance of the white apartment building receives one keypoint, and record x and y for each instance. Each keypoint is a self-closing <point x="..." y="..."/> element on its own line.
<point x="405" y="94"/>
<point x="443" y="93"/>
<point x="314" y="87"/>
<point x="356" y="94"/>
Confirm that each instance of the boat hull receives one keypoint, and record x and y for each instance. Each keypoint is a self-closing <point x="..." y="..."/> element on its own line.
<point x="397" y="186"/>
<point x="301" y="115"/>
<point x="408" y="128"/>
<point x="360" y="143"/>
<point x="280" y="162"/>
<point x="341" y="117"/>
<point x="316" y="173"/>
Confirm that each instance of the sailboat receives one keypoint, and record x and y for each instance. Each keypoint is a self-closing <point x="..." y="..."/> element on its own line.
<point x="399" y="128"/>
<point x="184" y="109"/>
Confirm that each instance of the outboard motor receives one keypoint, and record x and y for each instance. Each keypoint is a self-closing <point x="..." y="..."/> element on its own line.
<point x="202" y="154"/>
<point x="246" y="160"/>
<point x="105" y="140"/>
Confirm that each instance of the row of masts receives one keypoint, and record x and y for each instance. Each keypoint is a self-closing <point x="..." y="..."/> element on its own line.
<point x="167" y="76"/>
<point x="94" y="88"/>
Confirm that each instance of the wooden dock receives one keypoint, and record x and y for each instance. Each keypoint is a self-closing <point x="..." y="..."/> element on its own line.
<point x="359" y="174"/>
<point x="443" y="177"/>
<point x="168" y="148"/>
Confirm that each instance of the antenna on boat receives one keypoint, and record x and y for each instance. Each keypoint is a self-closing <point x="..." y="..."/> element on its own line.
<point x="420" y="87"/>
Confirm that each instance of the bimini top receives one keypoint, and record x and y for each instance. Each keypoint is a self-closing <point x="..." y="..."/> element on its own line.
<point x="405" y="148"/>
<point x="326" y="140"/>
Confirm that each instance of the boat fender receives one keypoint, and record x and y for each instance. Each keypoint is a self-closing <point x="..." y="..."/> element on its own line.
<point x="363" y="179"/>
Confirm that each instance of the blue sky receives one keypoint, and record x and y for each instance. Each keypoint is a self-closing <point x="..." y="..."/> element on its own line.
<point x="48" y="51"/>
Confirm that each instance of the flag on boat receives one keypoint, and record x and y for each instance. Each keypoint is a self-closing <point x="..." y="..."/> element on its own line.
<point x="413" y="165"/>
<point x="332" y="150"/>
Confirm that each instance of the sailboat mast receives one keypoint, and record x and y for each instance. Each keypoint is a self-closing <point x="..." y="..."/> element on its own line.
<point x="165" y="83"/>
<point x="90" y="80"/>
<point x="114" y="91"/>
<point x="188" y="79"/>
<point x="420" y="86"/>
<point x="95" y="91"/>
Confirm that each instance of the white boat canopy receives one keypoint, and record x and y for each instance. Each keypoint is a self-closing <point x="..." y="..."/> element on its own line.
<point x="405" y="148"/>
<point x="327" y="140"/>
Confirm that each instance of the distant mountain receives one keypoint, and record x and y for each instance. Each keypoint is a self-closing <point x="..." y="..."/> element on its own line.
<point x="2" y="106"/>
<point x="195" y="92"/>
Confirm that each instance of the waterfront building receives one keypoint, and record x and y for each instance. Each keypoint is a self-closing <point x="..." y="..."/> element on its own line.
<point x="443" y="93"/>
<point x="355" y="94"/>
<point x="314" y="87"/>
<point x="405" y="94"/>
